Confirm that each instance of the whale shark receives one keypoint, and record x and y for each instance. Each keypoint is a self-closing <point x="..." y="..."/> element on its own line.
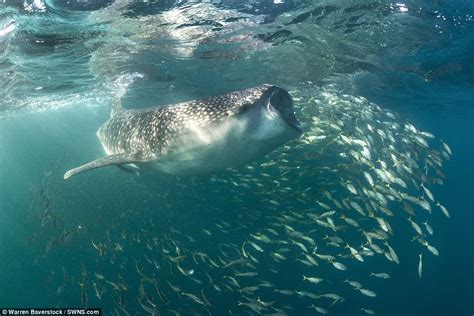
<point x="199" y="136"/>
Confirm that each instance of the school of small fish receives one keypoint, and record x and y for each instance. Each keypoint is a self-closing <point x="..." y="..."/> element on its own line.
<point x="297" y="226"/>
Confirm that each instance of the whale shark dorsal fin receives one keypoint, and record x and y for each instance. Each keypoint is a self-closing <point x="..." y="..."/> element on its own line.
<point x="120" y="87"/>
<point x="116" y="107"/>
<point x="115" y="159"/>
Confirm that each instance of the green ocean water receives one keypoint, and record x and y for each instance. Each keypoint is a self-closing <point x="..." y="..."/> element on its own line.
<point x="238" y="242"/>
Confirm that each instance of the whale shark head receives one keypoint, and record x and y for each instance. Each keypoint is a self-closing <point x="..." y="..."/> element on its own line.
<point x="277" y="100"/>
<point x="231" y="130"/>
<point x="266" y="114"/>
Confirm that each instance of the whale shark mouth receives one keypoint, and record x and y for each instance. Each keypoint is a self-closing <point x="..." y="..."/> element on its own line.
<point x="282" y="102"/>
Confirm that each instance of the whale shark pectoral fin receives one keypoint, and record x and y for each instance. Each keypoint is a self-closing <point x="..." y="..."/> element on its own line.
<point x="115" y="159"/>
<point x="132" y="169"/>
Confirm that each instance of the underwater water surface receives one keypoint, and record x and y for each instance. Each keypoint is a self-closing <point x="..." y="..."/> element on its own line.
<point x="333" y="222"/>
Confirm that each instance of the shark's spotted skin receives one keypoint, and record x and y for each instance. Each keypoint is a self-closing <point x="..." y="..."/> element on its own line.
<point x="199" y="136"/>
<point x="154" y="130"/>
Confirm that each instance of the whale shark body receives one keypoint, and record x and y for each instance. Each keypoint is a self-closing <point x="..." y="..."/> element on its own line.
<point x="199" y="136"/>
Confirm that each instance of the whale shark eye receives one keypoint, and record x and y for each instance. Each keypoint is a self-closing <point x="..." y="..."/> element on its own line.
<point x="244" y="108"/>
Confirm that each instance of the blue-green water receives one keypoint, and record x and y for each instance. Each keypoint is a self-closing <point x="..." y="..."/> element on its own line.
<point x="60" y="64"/>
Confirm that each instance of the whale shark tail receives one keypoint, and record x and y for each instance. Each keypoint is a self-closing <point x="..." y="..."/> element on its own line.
<point x="120" y="88"/>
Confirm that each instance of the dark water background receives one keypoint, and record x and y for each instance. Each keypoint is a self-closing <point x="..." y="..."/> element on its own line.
<point x="417" y="63"/>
